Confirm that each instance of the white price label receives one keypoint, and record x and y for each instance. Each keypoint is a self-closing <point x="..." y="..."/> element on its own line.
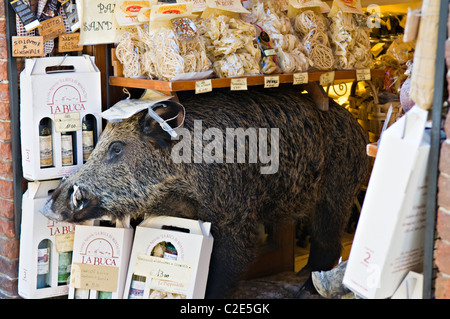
<point x="363" y="75"/>
<point x="203" y="86"/>
<point x="67" y="122"/>
<point x="327" y="78"/>
<point x="271" y="81"/>
<point x="300" y="78"/>
<point x="238" y="84"/>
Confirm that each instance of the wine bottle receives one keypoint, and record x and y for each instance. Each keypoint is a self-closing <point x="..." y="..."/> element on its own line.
<point x="45" y="142"/>
<point x="43" y="264"/>
<point x="104" y="295"/>
<point x="64" y="265"/>
<point x="66" y="148"/>
<point x="87" y="136"/>
<point x="137" y="286"/>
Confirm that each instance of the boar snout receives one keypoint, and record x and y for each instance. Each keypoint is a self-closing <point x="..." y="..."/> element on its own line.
<point x="71" y="203"/>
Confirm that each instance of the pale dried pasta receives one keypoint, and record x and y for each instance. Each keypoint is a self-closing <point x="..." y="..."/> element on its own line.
<point x="130" y="53"/>
<point x="230" y="45"/>
<point x="311" y="27"/>
<point x="161" y="54"/>
<point x="350" y="43"/>
<point x="290" y="53"/>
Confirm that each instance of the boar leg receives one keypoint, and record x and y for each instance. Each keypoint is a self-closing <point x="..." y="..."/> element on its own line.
<point x="328" y="225"/>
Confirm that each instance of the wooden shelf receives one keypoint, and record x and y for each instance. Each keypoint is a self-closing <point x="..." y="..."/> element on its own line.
<point x="174" y="86"/>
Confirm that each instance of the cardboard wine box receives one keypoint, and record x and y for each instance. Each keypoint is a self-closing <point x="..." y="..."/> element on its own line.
<point x="56" y="93"/>
<point x="100" y="262"/>
<point x="45" y="247"/>
<point x="170" y="259"/>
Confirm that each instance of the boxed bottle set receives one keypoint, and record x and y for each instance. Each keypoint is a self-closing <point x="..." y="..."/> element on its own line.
<point x="60" y="106"/>
<point x="45" y="247"/>
<point x="170" y="259"/>
<point x="100" y="262"/>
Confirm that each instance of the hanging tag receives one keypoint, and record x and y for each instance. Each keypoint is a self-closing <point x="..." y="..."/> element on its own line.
<point x="166" y="127"/>
<point x="27" y="46"/>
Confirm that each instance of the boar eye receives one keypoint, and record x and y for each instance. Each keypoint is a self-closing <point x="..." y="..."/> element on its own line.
<point x="115" y="149"/>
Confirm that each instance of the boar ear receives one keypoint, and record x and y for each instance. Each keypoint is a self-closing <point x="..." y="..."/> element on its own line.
<point x="170" y="111"/>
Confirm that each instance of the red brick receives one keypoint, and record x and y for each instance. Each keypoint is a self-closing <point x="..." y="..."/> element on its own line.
<point x="6" y="169"/>
<point x="6" y="189"/>
<point x="4" y="111"/>
<point x="7" y="208"/>
<point x="3" y="47"/>
<point x="7" y="228"/>
<point x="444" y="158"/>
<point x="443" y="224"/>
<point x="444" y="191"/>
<point x="4" y="88"/>
<point x="442" y="256"/>
<point x="3" y="71"/>
<point x="442" y="287"/>
<point x="2" y="24"/>
<point x="5" y="131"/>
<point x="9" y="247"/>
<point x="9" y="284"/>
<point x="6" y="150"/>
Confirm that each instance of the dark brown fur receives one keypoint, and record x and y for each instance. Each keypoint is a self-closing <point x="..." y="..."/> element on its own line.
<point x="322" y="164"/>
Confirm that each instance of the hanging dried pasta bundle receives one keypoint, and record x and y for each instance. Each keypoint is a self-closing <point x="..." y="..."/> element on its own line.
<point x="230" y="45"/>
<point x="311" y="27"/>
<point x="130" y="53"/>
<point x="290" y="53"/>
<point x="349" y="41"/>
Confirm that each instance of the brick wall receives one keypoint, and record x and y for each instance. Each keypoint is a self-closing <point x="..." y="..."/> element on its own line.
<point x="9" y="245"/>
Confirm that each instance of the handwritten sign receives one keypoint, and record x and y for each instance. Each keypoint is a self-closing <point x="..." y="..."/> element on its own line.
<point x="167" y="275"/>
<point x="98" y="23"/>
<point x="64" y="242"/>
<point x="327" y="78"/>
<point x="68" y="42"/>
<point x="27" y="46"/>
<point x="363" y="75"/>
<point x="203" y="86"/>
<point x="67" y="122"/>
<point x="300" y="78"/>
<point x="52" y="28"/>
<point x="271" y="81"/>
<point x="101" y="278"/>
<point x="238" y="84"/>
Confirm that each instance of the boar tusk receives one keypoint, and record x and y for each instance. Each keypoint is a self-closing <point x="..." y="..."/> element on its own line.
<point x="77" y="197"/>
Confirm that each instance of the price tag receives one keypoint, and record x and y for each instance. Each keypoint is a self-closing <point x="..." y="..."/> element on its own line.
<point x="327" y="78"/>
<point x="271" y="81"/>
<point x="64" y="242"/>
<point x="27" y="46"/>
<point x="101" y="278"/>
<point x="203" y="86"/>
<point x="238" y="84"/>
<point x="52" y="28"/>
<point x="68" y="42"/>
<point x="363" y="75"/>
<point x="300" y="78"/>
<point x="67" y="122"/>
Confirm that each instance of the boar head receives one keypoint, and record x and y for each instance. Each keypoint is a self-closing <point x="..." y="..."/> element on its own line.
<point x="122" y="174"/>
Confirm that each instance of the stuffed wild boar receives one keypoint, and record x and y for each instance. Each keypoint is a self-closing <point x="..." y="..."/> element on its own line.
<point x="313" y="169"/>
